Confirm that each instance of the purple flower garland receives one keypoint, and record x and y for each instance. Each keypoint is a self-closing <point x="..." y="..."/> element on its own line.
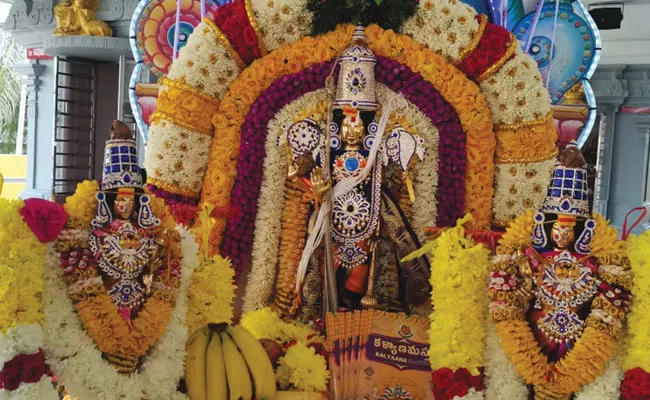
<point x="399" y="78"/>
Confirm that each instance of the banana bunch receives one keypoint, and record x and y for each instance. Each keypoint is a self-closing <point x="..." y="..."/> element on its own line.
<point x="227" y="363"/>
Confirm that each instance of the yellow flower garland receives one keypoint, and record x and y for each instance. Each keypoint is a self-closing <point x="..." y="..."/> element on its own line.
<point x="637" y="355"/>
<point x="588" y="358"/>
<point x="267" y="324"/>
<point x="459" y="272"/>
<point x="21" y="269"/>
<point x="82" y="205"/>
<point x="462" y="94"/>
<point x="211" y="294"/>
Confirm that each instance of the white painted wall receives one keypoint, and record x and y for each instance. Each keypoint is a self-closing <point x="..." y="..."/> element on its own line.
<point x="631" y="43"/>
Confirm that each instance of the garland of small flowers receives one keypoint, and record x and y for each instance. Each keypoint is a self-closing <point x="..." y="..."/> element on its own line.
<point x="636" y="362"/>
<point x="211" y="294"/>
<point x="458" y="324"/>
<point x="79" y="364"/>
<point x="22" y="364"/>
<point x="598" y="340"/>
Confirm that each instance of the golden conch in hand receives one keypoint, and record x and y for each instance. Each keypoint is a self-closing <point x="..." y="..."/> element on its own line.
<point x="79" y="17"/>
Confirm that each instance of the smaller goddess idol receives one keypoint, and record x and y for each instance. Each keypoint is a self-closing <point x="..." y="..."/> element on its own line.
<point x="124" y="259"/>
<point x="559" y="297"/>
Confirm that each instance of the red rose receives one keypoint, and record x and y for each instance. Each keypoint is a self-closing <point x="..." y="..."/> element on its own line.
<point x="462" y="375"/>
<point x="442" y="378"/>
<point x="636" y="383"/>
<point x="44" y="218"/>
<point x="457" y="389"/>
<point x="440" y="395"/>
<point x="477" y="382"/>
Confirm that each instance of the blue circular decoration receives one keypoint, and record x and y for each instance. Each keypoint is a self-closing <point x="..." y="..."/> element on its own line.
<point x="185" y="29"/>
<point x="573" y="36"/>
<point x="351" y="164"/>
<point x="540" y="50"/>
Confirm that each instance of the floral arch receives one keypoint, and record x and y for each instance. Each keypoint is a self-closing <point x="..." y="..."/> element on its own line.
<point x="502" y="153"/>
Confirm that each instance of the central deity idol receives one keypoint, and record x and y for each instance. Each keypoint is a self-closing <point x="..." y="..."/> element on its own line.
<point x="351" y="193"/>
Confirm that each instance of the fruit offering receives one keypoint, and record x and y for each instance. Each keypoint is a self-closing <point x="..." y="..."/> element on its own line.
<point x="227" y="362"/>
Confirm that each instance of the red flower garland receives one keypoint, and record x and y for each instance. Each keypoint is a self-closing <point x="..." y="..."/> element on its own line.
<point x="448" y="384"/>
<point x="24" y="368"/>
<point x="491" y="48"/>
<point x="233" y="21"/>
<point x="636" y="385"/>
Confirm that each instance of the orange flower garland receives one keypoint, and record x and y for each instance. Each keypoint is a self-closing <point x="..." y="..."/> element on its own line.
<point x="112" y="334"/>
<point x="462" y="94"/>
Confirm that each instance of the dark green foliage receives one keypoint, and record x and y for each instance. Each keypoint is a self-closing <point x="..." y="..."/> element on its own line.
<point x="389" y="14"/>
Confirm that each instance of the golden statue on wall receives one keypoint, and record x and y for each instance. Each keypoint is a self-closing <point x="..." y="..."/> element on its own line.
<point x="79" y="17"/>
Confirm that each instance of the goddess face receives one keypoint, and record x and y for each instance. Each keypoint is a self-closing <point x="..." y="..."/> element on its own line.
<point x="123" y="207"/>
<point x="562" y="235"/>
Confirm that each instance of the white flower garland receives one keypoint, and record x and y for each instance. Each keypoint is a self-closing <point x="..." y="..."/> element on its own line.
<point x="519" y="187"/>
<point x="447" y="27"/>
<point x="41" y="390"/>
<point x="20" y="339"/>
<point x="78" y="364"/>
<point x="516" y="93"/>
<point x="501" y="378"/>
<point x="282" y="22"/>
<point x="605" y="387"/>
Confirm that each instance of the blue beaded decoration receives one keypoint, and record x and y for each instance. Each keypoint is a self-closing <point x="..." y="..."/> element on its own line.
<point x="146" y="217"/>
<point x="103" y="216"/>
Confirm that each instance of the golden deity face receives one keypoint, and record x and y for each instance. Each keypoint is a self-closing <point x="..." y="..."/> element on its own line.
<point x="352" y="132"/>
<point x="124" y="205"/>
<point x="562" y="235"/>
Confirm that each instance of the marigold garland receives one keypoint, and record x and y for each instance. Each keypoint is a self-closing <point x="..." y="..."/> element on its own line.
<point x="82" y="205"/>
<point x="21" y="268"/>
<point x="267" y="324"/>
<point x="115" y="337"/>
<point x="459" y="272"/>
<point x="211" y="294"/>
<point x="78" y="363"/>
<point x="637" y="356"/>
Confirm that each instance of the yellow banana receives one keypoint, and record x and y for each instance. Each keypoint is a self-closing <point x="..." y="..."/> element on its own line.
<point x="240" y="385"/>
<point x="216" y="370"/>
<point x="258" y="362"/>
<point x="299" y="396"/>
<point x="195" y="364"/>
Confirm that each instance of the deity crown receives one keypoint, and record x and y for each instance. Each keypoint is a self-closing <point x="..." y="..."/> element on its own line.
<point x="356" y="80"/>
